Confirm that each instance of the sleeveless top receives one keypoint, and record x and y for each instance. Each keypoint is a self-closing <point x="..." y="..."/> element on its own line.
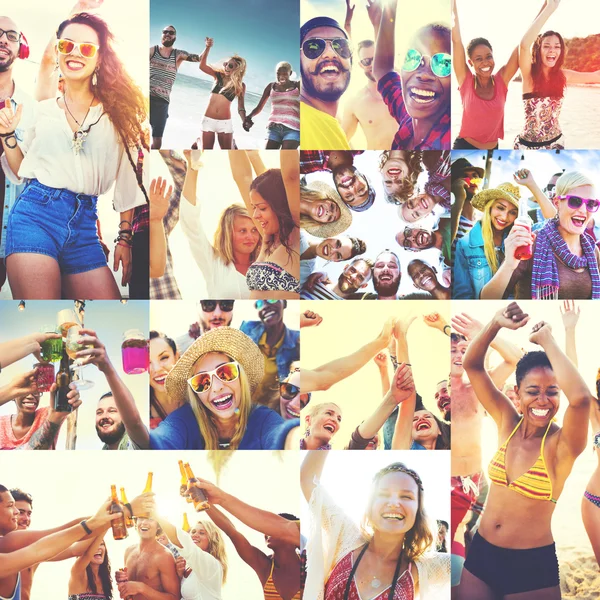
<point x="541" y="128"/>
<point x="534" y="484"/>
<point x="17" y="593"/>
<point x="267" y="276"/>
<point x="218" y="88"/>
<point x="87" y="596"/>
<point x="285" y="108"/>
<point x="270" y="590"/>
<point x="336" y="584"/>
<point x="482" y="120"/>
<point x="162" y="73"/>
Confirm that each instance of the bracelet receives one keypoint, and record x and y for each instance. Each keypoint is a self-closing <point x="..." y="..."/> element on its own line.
<point x="85" y="527"/>
<point x="127" y="231"/>
<point x="121" y="223"/>
<point x="129" y="509"/>
<point x="448" y="326"/>
<point x="8" y="136"/>
<point x="125" y="245"/>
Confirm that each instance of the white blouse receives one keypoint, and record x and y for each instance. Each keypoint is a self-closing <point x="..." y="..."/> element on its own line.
<point x="222" y="281"/>
<point x="205" y="580"/>
<point x="102" y="161"/>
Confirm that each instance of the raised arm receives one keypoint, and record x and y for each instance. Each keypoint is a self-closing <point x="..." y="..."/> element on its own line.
<point x="159" y="204"/>
<point x="381" y="361"/>
<point x="525" y="178"/>
<point x="495" y="402"/>
<point x="348" y="19"/>
<point x="290" y="171"/>
<point x="311" y="468"/>
<point x="21" y="385"/>
<point x="262" y="101"/>
<point x="14" y="350"/>
<point x="241" y="169"/>
<point x="204" y="66"/>
<point x="570" y="315"/>
<point x="323" y="377"/>
<point x="383" y="62"/>
<point x="575" y="77"/>
<point x="459" y="57"/>
<point x="80" y="565"/>
<point x="530" y="36"/>
<point x="256" y="161"/>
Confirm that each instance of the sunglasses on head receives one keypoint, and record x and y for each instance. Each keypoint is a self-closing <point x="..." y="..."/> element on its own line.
<point x="314" y="47"/>
<point x="441" y="63"/>
<point x="576" y="201"/>
<point x="367" y="62"/>
<point x="86" y="49"/>
<point x="11" y="35"/>
<point x="201" y="382"/>
<point x="211" y="305"/>
<point x="259" y="304"/>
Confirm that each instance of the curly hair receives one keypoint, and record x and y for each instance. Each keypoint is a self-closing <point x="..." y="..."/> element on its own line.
<point x="271" y="187"/>
<point x="236" y="78"/>
<point x="419" y="539"/>
<point x="529" y="361"/>
<point x="477" y="42"/>
<point x="555" y="84"/>
<point x="121" y="98"/>
<point x="408" y="184"/>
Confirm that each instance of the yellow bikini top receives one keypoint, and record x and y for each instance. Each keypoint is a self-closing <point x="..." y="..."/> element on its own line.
<point x="534" y="484"/>
<point x="270" y="590"/>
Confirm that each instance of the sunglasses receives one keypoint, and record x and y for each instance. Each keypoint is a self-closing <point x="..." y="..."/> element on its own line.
<point x="314" y="47"/>
<point x="441" y="63"/>
<point x="211" y="305"/>
<point x="231" y="65"/>
<point x="288" y="391"/>
<point x="86" y="49"/>
<point x="260" y="304"/>
<point x="576" y="201"/>
<point x="168" y="32"/>
<point x="11" y="35"/>
<point x="201" y="382"/>
<point x="367" y="62"/>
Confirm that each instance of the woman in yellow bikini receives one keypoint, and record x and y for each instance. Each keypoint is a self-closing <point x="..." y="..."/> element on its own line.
<point x="513" y="554"/>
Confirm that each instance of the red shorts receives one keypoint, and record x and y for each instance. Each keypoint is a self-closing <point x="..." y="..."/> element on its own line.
<point x="465" y="491"/>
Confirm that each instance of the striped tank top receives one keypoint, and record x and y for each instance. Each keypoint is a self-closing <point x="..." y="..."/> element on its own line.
<point x="534" y="484"/>
<point x="285" y="108"/>
<point x="270" y="590"/>
<point x="162" y="73"/>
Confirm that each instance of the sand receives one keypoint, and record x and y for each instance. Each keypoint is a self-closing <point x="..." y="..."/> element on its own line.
<point x="580" y="579"/>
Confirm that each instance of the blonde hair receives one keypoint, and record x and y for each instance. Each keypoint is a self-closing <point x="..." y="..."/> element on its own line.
<point x="223" y="240"/>
<point x="207" y="422"/>
<point x="316" y="408"/>
<point x="216" y="544"/>
<point x="569" y="180"/>
<point x="235" y="82"/>
<point x="487" y="232"/>
<point x="284" y="65"/>
<point x="415" y="167"/>
<point x="309" y="195"/>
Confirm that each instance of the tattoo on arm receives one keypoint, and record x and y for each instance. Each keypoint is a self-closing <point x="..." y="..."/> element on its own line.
<point x="43" y="438"/>
<point x="192" y="58"/>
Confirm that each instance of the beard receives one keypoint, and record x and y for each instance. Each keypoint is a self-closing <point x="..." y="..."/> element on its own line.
<point x="168" y="43"/>
<point x="345" y="286"/>
<point x="326" y="96"/>
<point x="387" y="289"/>
<point x="6" y="66"/>
<point x="111" y="437"/>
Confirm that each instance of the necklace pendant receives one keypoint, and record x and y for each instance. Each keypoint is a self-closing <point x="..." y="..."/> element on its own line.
<point x="375" y="583"/>
<point x="78" y="139"/>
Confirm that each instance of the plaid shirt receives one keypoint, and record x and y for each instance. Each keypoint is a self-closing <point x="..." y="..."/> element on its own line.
<point x="438" y="138"/>
<point x="435" y="182"/>
<point x="141" y="218"/>
<point x="165" y="287"/>
<point x="316" y="160"/>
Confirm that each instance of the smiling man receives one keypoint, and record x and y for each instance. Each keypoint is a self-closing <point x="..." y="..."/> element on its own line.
<point x="386" y="276"/>
<point x="355" y="276"/>
<point x="211" y="315"/>
<point x="443" y="399"/>
<point x="416" y="239"/>
<point x="109" y="425"/>
<point x="424" y="278"/>
<point x="279" y="345"/>
<point x="325" y="65"/>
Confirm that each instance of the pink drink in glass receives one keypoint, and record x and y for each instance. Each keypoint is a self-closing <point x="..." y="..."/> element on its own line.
<point x="44" y="376"/>
<point x="135" y="352"/>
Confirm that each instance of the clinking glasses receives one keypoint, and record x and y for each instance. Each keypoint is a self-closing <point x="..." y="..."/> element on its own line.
<point x="314" y="47"/>
<point x="441" y="63"/>
<point x="86" y="49"/>
<point x="211" y="305"/>
<point x="201" y="382"/>
<point x="575" y="202"/>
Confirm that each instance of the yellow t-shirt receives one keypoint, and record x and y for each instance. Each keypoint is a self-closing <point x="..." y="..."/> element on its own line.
<point x="320" y="131"/>
<point x="268" y="389"/>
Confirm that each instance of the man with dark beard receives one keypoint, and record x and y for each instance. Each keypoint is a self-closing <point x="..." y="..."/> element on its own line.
<point x="325" y="63"/>
<point x="211" y="314"/>
<point x="109" y="425"/>
<point x="164" y="63"/>
<point x="355" y="276"/>
<point x="443" y="400"/>
<point x="386" y="277"/>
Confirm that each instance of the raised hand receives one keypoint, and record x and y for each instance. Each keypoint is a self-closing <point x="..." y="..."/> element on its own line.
<point x="570" y="314"/>
<point x="541" y="333"/>
<point x="95" y="353"/>
<point x="511" y="317"/>
<point x="387" y="331"/>
<point x="9" y="119"/>
<point x="349" y="11"/>
<point x="23" y="384"/>
<point x="403" y="385"/>
<point x="208" y="42"/>
<point x="466" y="325"/>
<point x="214" y="494"/>
<point x="310" y="319"/>
<point x="402" y="325"/>
<point x="524" y="177"/>
<point x="374" y="12"/>
<point x="435" y="320"/>
<point x="381" y="360"/>
<point x="159" y="198"/>
<point x="314" y="278"/>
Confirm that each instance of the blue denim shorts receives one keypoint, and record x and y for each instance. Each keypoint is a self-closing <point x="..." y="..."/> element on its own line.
<point x="57" y="223"/>
<point x="281" y="133"/>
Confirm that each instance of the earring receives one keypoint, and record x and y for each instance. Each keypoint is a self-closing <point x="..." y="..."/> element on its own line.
<point x="95" y="78"/>
<point x="307" y="432"/>
<point x="56" y="66"/>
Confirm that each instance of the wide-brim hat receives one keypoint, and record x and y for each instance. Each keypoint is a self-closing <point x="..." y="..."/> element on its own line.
<point x="505" y="191"/>
<point x="325" y="230"/>
<point x="462" y="164"/>
<point x="226" y="340"/>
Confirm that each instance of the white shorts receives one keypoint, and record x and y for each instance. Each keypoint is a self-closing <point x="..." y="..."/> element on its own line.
<point x="217" y="125"/>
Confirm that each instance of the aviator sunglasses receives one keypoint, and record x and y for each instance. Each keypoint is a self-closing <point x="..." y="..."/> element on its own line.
<point x="575" y="202"/>
<point x="211" y="305"/>
<point x="314" y="47"/>
<point x="86" y="49"/>
<point x="441" y="63"/>
<point x="201" y="382"/>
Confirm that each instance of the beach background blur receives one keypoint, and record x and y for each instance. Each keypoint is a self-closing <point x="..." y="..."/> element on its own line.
<point x="578" y="568"/>
<point x="78" y="485"/>
<point x="261" y="31"/>
<point x="503" y="25"/>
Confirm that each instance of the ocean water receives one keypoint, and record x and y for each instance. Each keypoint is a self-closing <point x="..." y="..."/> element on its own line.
<point x="579" y="119"/>
<point x="189" y="99"/>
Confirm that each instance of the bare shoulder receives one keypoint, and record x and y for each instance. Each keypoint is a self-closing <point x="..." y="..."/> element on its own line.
<point x="163" y="557"/>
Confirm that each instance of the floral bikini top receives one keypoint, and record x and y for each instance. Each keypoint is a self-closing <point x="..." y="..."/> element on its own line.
<point x="270" y="277"/>
<point x="541" y="117"/>
<point x="534" y="484"/>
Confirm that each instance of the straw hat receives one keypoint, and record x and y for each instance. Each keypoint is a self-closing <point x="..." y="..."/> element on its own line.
<point x="326" y="230"/>
<point x="505" y="191"/>
<point x="226" y="340"/>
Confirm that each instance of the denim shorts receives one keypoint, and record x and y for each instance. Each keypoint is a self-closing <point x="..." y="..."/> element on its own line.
<point x="159" y="113"/>
<point x="277" y="132"/>
<point x="57" y="223"/>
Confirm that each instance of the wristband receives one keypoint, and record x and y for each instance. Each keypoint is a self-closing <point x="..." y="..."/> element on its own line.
<point x="85" y="527"/>
<point x="448" y="326"/>
<point x="9" y="136"/>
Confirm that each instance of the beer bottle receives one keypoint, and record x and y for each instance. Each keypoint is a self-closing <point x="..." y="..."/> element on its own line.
<point x="186" y="524"/>
<point x="63" y="379"/>
<point x="148" y="487"/>
<point x="128" y="520"/>
<point x="184" y="483"/>
<point x="119" y="528"/>
<point x="121" y="576"/>
<point x="198" y="496"/>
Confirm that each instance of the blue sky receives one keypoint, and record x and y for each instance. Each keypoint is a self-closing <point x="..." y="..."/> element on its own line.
<point x="264" y="32"/>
